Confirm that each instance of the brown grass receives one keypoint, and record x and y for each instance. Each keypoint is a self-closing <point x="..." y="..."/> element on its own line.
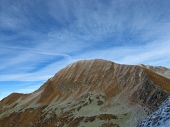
<point x="159" y="80"/>
<point x="107" y="117"/>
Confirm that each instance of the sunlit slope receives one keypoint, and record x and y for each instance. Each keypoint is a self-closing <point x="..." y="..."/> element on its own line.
<point x="89" y="93"/>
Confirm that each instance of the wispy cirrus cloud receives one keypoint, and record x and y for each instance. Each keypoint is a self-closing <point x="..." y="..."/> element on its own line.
<point x="18" y="87"/>
<point x="38" y="38"/>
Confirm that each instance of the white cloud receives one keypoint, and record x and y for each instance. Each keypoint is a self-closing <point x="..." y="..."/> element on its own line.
<point x="41" y="75"/>
<point x="150" y="53"/>
<point x="28" y="89"/>
<point x="123" y="31"/>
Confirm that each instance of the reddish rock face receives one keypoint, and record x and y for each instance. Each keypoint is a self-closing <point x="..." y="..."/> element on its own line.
<point x="89" y="93"/>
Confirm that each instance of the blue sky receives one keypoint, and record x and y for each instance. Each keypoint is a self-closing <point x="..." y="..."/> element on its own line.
<point x="39" y="37"/>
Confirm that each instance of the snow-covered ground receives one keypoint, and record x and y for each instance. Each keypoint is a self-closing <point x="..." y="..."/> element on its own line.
<point x="160" y="118"/>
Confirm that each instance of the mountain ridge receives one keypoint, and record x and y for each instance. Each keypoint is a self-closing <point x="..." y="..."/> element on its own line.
<point x="87" y="84"/>
<point x="164" y="71"/>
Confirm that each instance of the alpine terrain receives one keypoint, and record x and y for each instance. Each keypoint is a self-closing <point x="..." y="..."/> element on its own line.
<point x="94" y="93"/>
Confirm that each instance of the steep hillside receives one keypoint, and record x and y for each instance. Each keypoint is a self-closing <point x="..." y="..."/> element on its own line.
<point x="160" y="118"/>
<point x="159" y="70"/>
<point x="89" y="93"/>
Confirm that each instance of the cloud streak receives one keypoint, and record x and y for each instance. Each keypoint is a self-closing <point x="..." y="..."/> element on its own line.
<point x="37" y="39"/>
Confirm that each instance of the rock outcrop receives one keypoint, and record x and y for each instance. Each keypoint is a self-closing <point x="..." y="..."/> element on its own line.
<point x="160" y="118"/>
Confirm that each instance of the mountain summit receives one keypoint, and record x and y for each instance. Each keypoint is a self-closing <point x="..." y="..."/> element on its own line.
<point x="89" y="93"/>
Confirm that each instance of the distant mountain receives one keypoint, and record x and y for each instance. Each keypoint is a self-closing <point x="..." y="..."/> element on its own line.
<point x="159" y="70"/>
<point x="89" y="93"/>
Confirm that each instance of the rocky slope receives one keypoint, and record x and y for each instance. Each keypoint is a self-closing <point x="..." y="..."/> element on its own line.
<point x="160" y="118"/>
<point x="88" y="93"/>
<point x="159" y="70"/>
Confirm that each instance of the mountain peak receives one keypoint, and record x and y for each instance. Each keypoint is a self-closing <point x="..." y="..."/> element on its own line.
<point x="89" y="92"/>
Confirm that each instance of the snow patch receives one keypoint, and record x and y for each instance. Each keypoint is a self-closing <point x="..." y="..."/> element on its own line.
<point x="160" y="118"/>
